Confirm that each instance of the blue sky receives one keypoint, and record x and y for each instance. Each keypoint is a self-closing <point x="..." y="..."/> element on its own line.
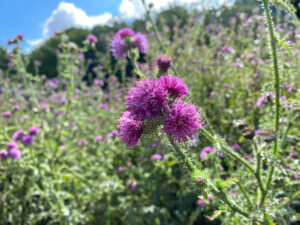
<point x="28" y="16"/>
<point x="37" y="19"/>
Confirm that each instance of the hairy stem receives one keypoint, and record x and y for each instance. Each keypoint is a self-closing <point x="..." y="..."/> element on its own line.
<point x="277" y="91"/>
<point x="227" y="149"/>
<point x="187" y="162"/>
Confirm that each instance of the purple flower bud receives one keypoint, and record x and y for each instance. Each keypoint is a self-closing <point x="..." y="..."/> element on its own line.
<point x="16" y="107"/>
<point x="6" y="114"/>
<point x="12" y="144"/>
<point x="236" y="147"/>
<point x="115" y="133"/>
<point x="220" y="155"/>
<point x="15" y="153"/>
<point x="292" y="155"/>
<point x="34" y="131"/>
<point x="121" y="169"/>
<point x="199" y="180"/>
<point x="132" y="187"/>
<point x="27" y="139"/>
<point x="200" y="203"/>
<point x="206" y="150"/>
<point x="3" y="154"/>
<point x="156" y="157"/>
<point x="98" y="138"/>
<point x="18" y="135"/>
<point x="92" y="38"/>
<point x="164" y="62"/>
<point x="260" y="102"/>
<point x="210" y="197"/>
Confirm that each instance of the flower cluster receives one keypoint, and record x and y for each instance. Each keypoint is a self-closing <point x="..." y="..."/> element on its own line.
<point x="125" y="39"/>
<point x="152" y="103"/>
<point x="27" y="139"/>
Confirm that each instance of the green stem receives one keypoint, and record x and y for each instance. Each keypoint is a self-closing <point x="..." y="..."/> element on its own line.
<point x="227" y="149"/>
<point x="157" y="35"/>
<point x="277" y="97"/>
<point x="258" y="173"/>
<point x="191" y="167"/>
<point x="245" y="193"/>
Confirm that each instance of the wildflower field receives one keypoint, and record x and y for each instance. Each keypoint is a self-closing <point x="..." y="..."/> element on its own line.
<point x="168" y="120"/>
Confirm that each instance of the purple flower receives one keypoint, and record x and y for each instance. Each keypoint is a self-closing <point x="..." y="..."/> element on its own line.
<point x="63" y="100"/>
<point x="156" y="157"/>
<point x="164" y="62"/>
<point x="199" y="180"/>
<point x="6" y="114"/>
<point x="98" y="138"/>
<point x="182" y="121"/>
<point x="141" y="42"/>
<point x="118" y="49"/>
<point x="291" y="89"/>
<point x="260" y="102"/>
<point x="292" y="155"/>
<point x="146" y="100"/>
<point x="15" y="153"/>
<point x="294" y="177"/>
<point x="210" y="197"/>
<point x="125" y="32"/>
<point x="92" y="38"/>
<point x="16" y="107"/>
<point x="236" y="147"/>
<point x="115" y="133"/>
<point x="12" y="144"/>
<point x="20" y="36"/>
<point x="98" y="82"/>
<point x="27" y="139"/>
<point x="132" y="187"/>
<point x="200" y="203"/>
<point x="118" y="44"/>
<point x="228" y="49"/>
<point x="3" y="154"/>
<point x="283" y="98"/>
<point x="120" y="169"/>
<point x="34" y="131"/>
<point x="206" y="150"/>
<point x="174" y="85"/>
<point x="18" y="135"/>
<point x="220" y="155"/>
<point x="130" y="129"/>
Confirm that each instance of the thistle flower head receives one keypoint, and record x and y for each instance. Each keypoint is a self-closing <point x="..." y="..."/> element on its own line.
<point x="182" y="121"/>
<point x="130" y="129"/>
<point x="164" y="62"/>
<point x="125" y="32"/>
<point x="141" y="42"/>
<point x="3" y="154"/>
<point x="27" y="139"/>
<point x="18" y="135"/>
<point x="34" y="131"/>
<point x="92" y="38"/>
<point x="15" y="153"/>
<point x="174" y="85"/>
<point x="146" y="100"/>
<point x="118" y="47"/>
<point x="122" y="43"/>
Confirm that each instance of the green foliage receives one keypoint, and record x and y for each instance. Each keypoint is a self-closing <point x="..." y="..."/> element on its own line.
<point x="69" y="175"/>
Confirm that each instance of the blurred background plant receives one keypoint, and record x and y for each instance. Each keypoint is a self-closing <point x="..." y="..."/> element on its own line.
<point x="77" y="170"/>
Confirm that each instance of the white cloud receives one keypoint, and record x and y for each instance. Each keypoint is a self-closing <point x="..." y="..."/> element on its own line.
<point x="67" y="15"/>
<point x="36" y="42"/>
<point x="135" y="9"/>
